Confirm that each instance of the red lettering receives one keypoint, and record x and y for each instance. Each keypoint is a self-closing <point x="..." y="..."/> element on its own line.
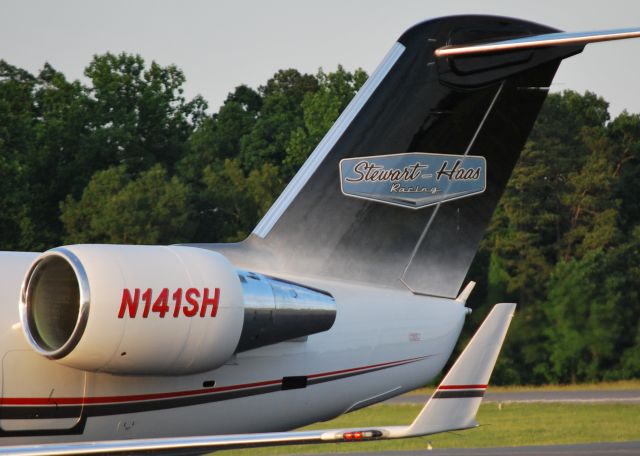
<point x="177" y="297"/>
<point x="129" y="303"/>
<point x="189" y="296"/>
<point x="193" y="305"/>
<point x="146" y="297"/>
<point x="161" y="305"/>
<point x="206" y="300"/>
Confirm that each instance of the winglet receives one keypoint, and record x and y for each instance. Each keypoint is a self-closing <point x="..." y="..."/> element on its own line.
<point x="456" y="401"/>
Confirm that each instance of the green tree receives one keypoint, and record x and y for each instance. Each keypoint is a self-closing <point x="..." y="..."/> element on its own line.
<point x="218" y="137"/>
<point x="528" y="230"/>
<point x="281" y="114"/>
<point x="231" y="212"/>
<point x="53" y="166"/>
<point x="242" y="156"/>
<point x="116" y="208"/>
<point x="16" y="139"/>
<point x="593" y="212"/>
<point x="592" y="307"/>
<point x="624" y="134"/>
<point x="138" y="116"/>
<point x="561" y="206"/>
<point x="321" y="108"/>
<point x="55" y="134"/>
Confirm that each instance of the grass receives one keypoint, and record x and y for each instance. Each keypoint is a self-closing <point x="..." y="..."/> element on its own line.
<point x="619" y="385"/>
<point x="512" y="425"/>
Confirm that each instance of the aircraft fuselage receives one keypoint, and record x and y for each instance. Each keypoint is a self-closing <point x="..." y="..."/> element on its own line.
<point x="391" y="341"/>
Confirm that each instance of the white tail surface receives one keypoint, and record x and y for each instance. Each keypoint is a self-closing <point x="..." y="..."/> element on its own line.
<point x="455" y="403"/>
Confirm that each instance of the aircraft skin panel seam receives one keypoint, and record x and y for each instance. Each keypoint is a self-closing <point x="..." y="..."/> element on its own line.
<point x="328" y="142"/>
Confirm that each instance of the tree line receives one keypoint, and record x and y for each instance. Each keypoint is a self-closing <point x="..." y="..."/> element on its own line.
<point x="127" y="158"/>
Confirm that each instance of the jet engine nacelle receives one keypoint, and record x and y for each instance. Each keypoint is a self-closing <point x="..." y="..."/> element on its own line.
<point x="133" y="309"/>
<point x="156" y="310"/>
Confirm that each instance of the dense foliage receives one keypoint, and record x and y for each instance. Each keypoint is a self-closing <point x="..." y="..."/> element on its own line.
<point x="127" y="158"/>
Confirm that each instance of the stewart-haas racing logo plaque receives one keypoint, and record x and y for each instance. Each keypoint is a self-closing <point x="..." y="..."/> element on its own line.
<point x="413" y="179"/>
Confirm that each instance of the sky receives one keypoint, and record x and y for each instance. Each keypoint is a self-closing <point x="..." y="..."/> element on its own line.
<point x="221" y="44"/>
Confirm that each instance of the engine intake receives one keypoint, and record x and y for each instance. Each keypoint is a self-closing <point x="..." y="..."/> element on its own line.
<point x="57" y="293"/>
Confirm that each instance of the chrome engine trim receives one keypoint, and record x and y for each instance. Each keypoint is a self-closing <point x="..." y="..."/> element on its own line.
<point x="26" y="292"/>
<point x="277" y="310"/>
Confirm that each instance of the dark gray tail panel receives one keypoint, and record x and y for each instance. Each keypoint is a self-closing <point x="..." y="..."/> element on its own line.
<point x="473" y="106"/>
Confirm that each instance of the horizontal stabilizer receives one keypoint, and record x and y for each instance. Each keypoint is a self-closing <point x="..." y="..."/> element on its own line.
<point x="538" y="41"/>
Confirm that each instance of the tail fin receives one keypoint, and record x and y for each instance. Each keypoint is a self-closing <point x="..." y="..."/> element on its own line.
<point x="455" y="403"/>
<point x="401" y="189"/>
<point x="463" y="116"/>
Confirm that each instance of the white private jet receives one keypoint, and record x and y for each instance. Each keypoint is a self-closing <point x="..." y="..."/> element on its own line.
<point x="346" y="293"/>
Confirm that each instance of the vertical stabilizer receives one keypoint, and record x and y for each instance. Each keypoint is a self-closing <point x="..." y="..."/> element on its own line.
<point x="400" y="191"/>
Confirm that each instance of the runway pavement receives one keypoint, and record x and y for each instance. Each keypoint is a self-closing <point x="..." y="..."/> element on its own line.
<point x="590" y="449"/>
<point x="591" y="396"/>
